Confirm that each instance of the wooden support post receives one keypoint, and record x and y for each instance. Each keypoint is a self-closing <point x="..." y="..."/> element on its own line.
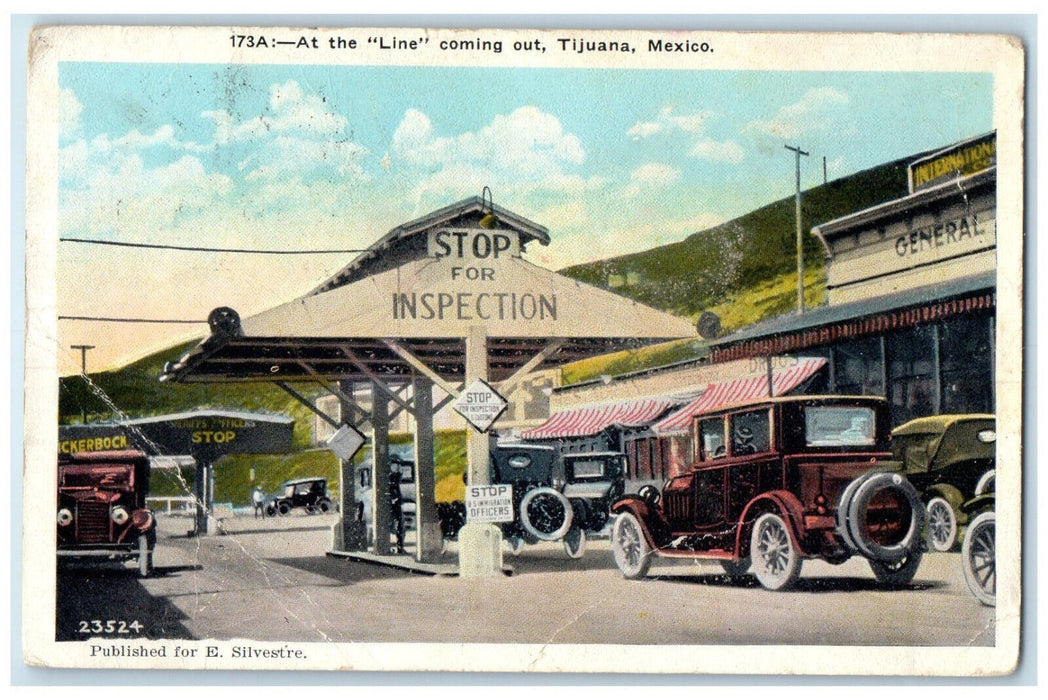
<point x="380" y="468"/>
<point x="353" y="529"/>
<point x="427" y="522"/>
<point x="480" y="544"/>
<point x="200" y="494"/>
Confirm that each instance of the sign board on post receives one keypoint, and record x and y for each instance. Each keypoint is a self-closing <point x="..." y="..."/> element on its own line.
<point x="480" y="405"/>
<point x="489" y="504"/>
<point x="345" y="442"/>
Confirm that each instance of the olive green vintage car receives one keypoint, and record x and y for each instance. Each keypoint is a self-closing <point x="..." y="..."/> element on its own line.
<point x="945" y="457"/>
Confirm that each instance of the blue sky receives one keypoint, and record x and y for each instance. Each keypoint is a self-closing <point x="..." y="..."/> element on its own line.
<point x="611" y="161"/>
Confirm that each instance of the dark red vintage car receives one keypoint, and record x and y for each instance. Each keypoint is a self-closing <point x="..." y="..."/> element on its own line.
<point x="102" y="507"/>
<point x="774" y="482"/>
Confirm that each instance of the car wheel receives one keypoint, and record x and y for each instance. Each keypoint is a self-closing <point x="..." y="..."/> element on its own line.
<point x="735" y="568"/>
<point x="284" y="509"/>
<point x="776" y="562"/>
<point x="271" y="510"/>
<point x="310" y="510"/>
<point x="898" y="573"/>
<point x="575" y="543"/>
<point x="145" y="556"/>
<point x="979" y="558"/>
<point x="942" y="525"/>
<point x="630" y="549"/>
<point x="546" y="514"/>
<point x="987" y="483"/>
<point x="325" y="506"/>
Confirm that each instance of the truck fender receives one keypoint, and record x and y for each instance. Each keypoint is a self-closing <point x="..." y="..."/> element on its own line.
<point x="656" y="529"/>
<point x="782" y="502"/>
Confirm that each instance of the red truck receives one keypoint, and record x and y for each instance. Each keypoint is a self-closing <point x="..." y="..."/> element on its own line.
<point x="102" y="509"/>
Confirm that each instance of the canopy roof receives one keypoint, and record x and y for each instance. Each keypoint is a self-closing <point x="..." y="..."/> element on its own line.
<point x="738" y="390"/>
<point x="582" y="421"/>
<point x="423" y="301"/>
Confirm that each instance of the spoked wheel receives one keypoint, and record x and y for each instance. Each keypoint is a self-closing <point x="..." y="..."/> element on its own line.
<point x="776" y="563"/>
<point x="979" y="558"/>
<point x="283" y="509"/>
<point x="898" y="573"/>
<point x="735" y="568"/>
<point x="575" y="543"/>
<point x="942" y="525"/>
<point x="629" y="548"/>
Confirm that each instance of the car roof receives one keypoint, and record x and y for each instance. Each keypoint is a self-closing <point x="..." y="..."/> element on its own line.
<point x="939" y="424"/>
<point x="305" y="481"/>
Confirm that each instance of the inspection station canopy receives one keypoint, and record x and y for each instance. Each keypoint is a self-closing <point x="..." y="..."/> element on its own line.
<point x="417" y="293"/>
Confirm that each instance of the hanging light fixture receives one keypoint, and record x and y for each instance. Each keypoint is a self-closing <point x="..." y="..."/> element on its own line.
<point x="488" y="220"/>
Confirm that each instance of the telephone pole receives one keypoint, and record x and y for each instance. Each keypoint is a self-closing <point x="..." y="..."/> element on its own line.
<point x="83" y="370"/>
<point x="800" y="240"/>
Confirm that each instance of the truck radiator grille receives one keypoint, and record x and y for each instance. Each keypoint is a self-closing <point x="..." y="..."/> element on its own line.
<point x="92" y="522"/>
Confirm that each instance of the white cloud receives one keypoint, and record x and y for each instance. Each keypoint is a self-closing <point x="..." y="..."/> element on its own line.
<point x="69" y="109"/>
<point x="651" y="175"/>
<point x="524" y="151"/>
<point x="819" y="109"/>
<point x="720" y="151"/>
<point x="667" y="121"/>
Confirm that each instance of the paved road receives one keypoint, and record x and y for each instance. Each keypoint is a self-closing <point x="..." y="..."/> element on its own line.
<point x="271" y="581"/>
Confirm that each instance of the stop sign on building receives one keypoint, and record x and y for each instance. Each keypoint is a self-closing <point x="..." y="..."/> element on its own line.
<point x="480" y="405"/>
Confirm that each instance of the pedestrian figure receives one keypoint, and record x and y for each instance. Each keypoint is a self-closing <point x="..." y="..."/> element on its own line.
<point x="258" y="498"/>
<point x="396" y="509"/>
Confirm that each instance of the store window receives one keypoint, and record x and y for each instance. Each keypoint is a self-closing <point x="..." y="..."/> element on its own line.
<point x="966" y="362"/>
<point x="858" y="368"/>
<point x="912" y="390"/>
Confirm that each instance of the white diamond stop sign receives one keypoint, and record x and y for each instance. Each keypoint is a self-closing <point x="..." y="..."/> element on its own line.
<point x="480" y="405"/>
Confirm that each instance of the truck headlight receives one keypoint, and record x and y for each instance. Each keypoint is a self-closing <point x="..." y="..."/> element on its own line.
<point x="119" y="515"/>
<point x="65" y="517"/>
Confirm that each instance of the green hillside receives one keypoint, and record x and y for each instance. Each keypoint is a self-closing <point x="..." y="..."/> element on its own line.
<point x="708" y="268"/>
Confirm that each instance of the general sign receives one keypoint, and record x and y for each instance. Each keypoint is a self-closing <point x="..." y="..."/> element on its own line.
<point x="480" y="405"/>
<point x="489" y="504"/>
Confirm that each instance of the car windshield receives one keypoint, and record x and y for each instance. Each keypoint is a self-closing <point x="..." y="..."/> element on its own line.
<point x="835" y="426"/>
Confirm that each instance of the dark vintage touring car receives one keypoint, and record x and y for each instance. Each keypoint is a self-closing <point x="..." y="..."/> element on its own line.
<point x="102" y="511"/>
<point x="774" y="482"/>
<point x="945" y="458"/>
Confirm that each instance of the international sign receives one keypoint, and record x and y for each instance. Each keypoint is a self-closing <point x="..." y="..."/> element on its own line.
<point x="489" y="504"/>
<point x="480" y="405"/>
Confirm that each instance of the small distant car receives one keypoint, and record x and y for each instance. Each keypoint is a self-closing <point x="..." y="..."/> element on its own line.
<point x="102" y="511"/>
<point x="777" y="481"/>
<point x="979" y="547"/>
<point x="309" y="494"/>
<point x="945" y="457"/>
<point x="557" y="496"/>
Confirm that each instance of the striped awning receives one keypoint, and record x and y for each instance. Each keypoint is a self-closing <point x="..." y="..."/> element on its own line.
<point x="737" y="390"/>
<point x="591" y="420"/>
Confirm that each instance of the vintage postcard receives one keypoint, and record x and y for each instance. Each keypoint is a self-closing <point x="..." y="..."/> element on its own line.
<point x="519" y="350"/>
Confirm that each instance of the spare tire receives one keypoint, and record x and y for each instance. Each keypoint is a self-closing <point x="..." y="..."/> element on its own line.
<point x="885" y="517"/>
<point x="545" y="513"/>
<point x="842" y="511"/>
